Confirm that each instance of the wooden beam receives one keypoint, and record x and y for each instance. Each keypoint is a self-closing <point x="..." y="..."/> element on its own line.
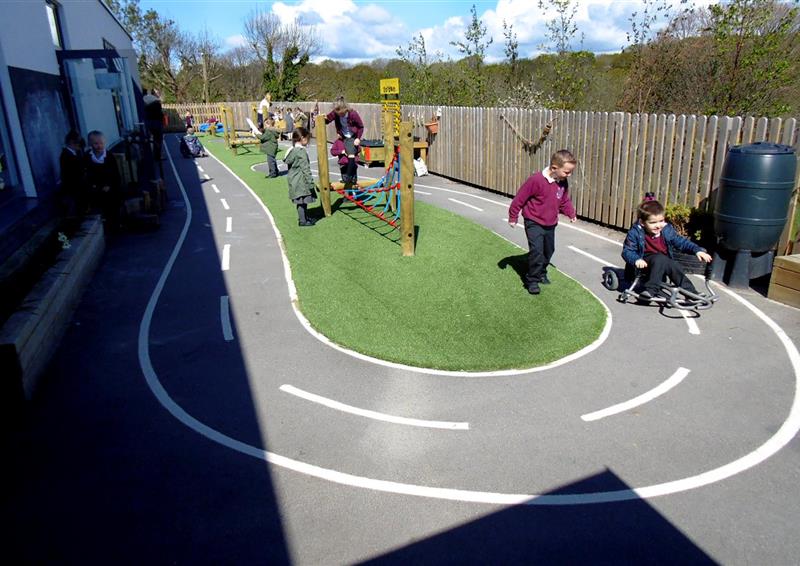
<point x="322" y="165"/>
<point x="406" y="189"/>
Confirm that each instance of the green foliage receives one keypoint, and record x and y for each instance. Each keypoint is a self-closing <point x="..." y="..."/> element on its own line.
<point x="569" y="73"/>
<point x="752" y="58"/>
<point x="283" y="81"/>
<point x="678" y="215"/>
<point x="474" y="49"/>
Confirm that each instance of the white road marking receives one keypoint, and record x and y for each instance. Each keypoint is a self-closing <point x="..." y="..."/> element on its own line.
<point x="590" y="256"/>
<point x="213" y="186"/>
<point x="418" y="192"/>
<point x="465" y="204"/>
<point x="599" y="237"/>
<point x="690" y="322"/>
<point x="784" y="435"/>
<point x="200" y="169"/>
<point x="671" y="382"/>
<point x="224" y="204"/>
<point x="225" y="317"/>
<point x="371" y="414"/>
<point x="504" y="204"/>
<point x="206" y="177"/>
<point x="229" y="224"/>
<point x="226" y="257"/>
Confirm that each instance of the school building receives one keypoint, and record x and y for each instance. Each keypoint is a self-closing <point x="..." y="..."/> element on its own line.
<point x="63" y="64"/>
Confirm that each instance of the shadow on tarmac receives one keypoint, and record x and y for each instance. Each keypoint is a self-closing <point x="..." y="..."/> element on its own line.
<point x="629" y="532"/>
<point x="99" y="472"/>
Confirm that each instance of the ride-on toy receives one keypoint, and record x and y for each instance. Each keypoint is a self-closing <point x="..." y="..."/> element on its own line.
<point x="628" y="282"/>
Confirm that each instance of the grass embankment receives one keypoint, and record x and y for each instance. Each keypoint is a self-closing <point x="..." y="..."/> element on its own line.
<point x="452" y="306"/>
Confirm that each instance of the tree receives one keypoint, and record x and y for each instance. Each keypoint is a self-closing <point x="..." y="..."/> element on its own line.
<point x="511" y="49"/>
<point x="474" y="49"/>
<point x="283" y="51"/>
<point x="753" y="44"/>
<point x="568" y="77"/>
<point x="415" y="55"/>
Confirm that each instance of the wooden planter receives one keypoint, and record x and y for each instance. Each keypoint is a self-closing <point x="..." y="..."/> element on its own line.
<point x="31" y="335"/>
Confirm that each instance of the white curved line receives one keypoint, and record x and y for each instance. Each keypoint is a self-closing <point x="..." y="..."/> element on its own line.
<point x="286" y="388"/>
<point x="590" y="256"/>
<point x="781" y="438"/>
<point x="287" y="271"/>
<point x="660" y="389"/>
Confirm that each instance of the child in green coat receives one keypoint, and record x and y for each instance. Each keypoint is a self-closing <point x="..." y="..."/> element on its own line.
<point x="302" y="190"/>
<point x="269" y="145"/>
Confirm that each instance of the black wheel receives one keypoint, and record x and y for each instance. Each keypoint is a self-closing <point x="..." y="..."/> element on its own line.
<point x="610" y="280"/>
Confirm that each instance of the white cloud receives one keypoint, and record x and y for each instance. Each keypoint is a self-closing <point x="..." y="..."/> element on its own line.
<point x="237" y="40"/>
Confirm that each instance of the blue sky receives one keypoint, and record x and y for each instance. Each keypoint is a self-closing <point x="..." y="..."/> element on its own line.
<point x="354" y="31"/>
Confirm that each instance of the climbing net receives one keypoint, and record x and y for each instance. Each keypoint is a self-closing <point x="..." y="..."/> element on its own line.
<point x="382" y="198"/>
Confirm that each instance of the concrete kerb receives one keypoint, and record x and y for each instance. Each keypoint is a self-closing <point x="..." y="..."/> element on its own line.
<point x="31" y="335"/>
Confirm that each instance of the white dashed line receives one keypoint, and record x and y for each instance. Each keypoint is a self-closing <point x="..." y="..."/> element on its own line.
<point x="200" y="169"/>
<point x="371" y="414"/>
<point x="418" y="192"/>
<point x="590" y="256"/>
<point x="206" y="177"/>
<point x="465" y="204"/>
<point x="224" y="204"/>
<point x="572" y="227"/>
<point x="225" y="317"/>
<point x="213" y="186"/>
<point x="690" y="322"/>
<point x="226" y="257"/>
<point x="674" y="380"/>
<point x="229" y="224"/>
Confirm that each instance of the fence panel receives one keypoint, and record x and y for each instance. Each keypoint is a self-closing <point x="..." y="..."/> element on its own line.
<point x="620" y="156"/>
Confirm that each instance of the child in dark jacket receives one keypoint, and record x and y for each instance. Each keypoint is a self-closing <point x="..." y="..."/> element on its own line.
<point x="73" y="175"/>
<point x="540" y="199"/>
<point x="649" y="246"/>
<point x="349" y="129"/>
<point x="103" y="179"/>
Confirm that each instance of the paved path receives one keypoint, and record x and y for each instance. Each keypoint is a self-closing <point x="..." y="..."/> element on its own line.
<point x="369" y="461"/>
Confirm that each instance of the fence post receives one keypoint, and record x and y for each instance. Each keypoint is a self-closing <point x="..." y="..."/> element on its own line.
<point x="322" y="165"/>
<point x="406" y="188"/>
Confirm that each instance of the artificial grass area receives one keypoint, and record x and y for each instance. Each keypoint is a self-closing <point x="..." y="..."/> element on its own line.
<point x="459" y="304"/>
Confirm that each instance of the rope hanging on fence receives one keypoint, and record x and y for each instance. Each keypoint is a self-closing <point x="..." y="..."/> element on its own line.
<point x="378" y="198"/>
<point x="529" y="145"/>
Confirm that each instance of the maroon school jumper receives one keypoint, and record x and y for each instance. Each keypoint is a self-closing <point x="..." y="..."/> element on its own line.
<point x="541" y="201"/>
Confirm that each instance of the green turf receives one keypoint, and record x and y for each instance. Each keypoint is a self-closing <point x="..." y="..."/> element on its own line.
<point x="458" y="304"/>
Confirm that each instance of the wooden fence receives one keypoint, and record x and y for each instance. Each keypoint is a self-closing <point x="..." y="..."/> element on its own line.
<point x="620" y="155"/>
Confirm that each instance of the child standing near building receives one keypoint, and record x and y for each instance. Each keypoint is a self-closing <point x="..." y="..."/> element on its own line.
<point x="269" y="146"/>
<point x="649" y="246"/>
<point x="540" y="199"/>
<point x="302" y="190"/>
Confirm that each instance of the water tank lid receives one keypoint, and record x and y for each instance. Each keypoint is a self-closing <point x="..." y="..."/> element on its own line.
<point x="763" y="148"/>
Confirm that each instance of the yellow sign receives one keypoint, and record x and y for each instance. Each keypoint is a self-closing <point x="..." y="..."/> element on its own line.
<point x="390" y="87"/>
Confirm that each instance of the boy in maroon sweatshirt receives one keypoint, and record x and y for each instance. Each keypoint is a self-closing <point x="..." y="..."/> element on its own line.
<point x="540" y="199"/>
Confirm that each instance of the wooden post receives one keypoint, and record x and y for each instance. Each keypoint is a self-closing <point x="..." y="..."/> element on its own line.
<point x="388" y="150"/>
<point x="322" y="165"/>
<point x="406" y="189"/>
